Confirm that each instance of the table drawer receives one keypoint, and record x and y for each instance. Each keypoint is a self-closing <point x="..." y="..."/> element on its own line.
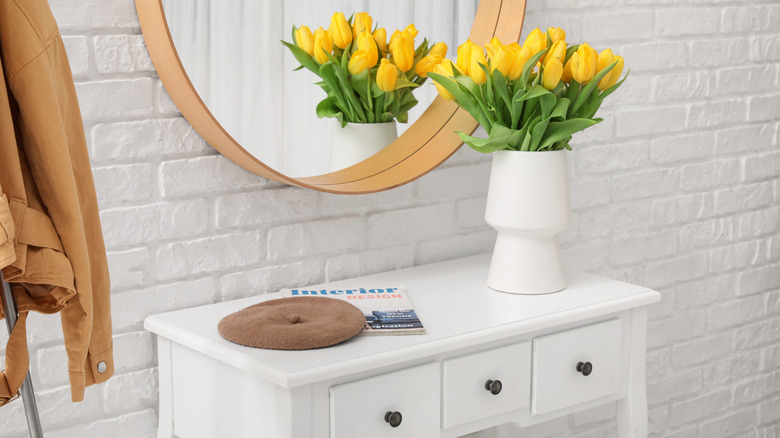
<point x="362" y="408"/>
<point x="467" y="397"/>
<point x="576" y="366"/>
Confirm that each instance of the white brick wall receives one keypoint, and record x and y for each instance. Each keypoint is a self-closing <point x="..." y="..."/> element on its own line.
<point x="678" y="190"/>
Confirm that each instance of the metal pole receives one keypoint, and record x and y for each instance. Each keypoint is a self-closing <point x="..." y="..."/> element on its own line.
<point x="28" y="395"/>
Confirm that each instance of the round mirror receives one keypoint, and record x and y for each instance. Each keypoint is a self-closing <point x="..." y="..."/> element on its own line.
<point x="223" y="64"/>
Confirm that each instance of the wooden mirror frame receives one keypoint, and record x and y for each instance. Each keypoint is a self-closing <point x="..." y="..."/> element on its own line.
<point x="424" y="146"/>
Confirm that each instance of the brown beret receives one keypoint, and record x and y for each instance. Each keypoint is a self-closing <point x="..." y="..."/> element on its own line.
<point x="298" y="323"/>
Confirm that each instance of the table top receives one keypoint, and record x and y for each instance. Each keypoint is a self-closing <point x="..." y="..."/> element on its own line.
<point x="456" y="307"/>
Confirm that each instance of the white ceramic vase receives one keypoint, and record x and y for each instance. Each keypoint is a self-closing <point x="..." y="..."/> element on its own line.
<point x="358" y="141"/>
<point x="528" y="205"/>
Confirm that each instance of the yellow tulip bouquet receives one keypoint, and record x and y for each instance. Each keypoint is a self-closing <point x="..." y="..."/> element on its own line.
<point x="367" y="79"/>
<point x="532" y="97"/>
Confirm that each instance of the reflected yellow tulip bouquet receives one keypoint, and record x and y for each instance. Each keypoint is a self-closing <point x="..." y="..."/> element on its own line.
<point x="532" y="97"/>
<point x="367" y="78"/>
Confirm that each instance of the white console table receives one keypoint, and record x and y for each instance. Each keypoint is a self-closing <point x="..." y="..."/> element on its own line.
<point x="488" y="358"/>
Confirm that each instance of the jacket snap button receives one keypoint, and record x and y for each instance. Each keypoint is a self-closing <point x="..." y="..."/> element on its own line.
<point x="102" y="367"/>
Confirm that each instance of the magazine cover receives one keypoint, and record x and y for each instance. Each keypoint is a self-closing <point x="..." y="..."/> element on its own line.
<point x="388" y="311"/>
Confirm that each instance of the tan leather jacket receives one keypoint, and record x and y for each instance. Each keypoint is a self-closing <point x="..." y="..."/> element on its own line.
<point x="59" y="260"/>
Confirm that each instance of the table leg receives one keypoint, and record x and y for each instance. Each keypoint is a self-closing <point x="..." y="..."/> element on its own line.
<point x="632" y="411"/>
<point x="165" y="375"/>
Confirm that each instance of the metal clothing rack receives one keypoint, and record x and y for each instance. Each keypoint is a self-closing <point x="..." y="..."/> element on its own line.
<point x="27" y="392"/>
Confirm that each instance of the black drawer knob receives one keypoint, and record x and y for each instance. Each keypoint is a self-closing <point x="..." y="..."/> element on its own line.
<point x="393" y="418"/>
<point x="494" y="386"/>
<point x="585" y="368"/>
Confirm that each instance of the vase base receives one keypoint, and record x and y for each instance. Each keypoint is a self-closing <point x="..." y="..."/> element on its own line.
<point x="526" y="266"/>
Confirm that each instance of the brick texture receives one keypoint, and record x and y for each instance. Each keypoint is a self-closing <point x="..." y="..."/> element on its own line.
<point x="678" y="189"/>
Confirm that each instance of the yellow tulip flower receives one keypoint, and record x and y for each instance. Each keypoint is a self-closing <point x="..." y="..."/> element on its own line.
<point x="557" y="51"/>
<point x="412" y="31"/>
<point x="566" y="74"/>
<point x="556" y="34"/>
<point x="396" y="34"/>
<point x="583" y="67"/>
<point x="426" y="65"/>
<point x="439" y="49"/>
<point x="536" y="41"/>
<point x="322" y="45"/>
<point x="491" y="47"/>
<point x="402" y="50"/>
<point x="617" y="70"/>
<point x="464" y="55"/>
<point x="477" y="57"/>
<point x="380" y="36"/>
<point x="366" y="43"/>
<point x="578" y="68"/>
<point x="606" y="58"/>
<point x="304" y="39"/>
<point x="444" y="68"/>
<point x="519" y="58"/>
<point x="386" y="76"/>
<point x="501" y="60"/>
<point x="340" y="30"/>
<point x="360" y="22"/>
<point x="359" y="61"/>
<point x="551" y="76"/>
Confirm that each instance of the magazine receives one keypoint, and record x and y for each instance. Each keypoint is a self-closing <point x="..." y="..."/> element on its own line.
<point x="388" y="311"/>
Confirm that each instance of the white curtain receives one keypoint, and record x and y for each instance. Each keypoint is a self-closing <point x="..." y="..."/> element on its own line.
<point x="232" y="54"/>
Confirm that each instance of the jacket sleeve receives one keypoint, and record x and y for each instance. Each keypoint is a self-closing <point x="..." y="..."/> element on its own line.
<point x="7" y="252"/>
<point x="52" y="134"/>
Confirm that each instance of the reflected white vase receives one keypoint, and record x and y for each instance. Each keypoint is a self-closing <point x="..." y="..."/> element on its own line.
<point x="358" y="141"/>
<point x="528" y="205"/>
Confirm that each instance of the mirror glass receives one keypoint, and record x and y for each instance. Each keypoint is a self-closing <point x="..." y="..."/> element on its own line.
<point x="232" y="53"/>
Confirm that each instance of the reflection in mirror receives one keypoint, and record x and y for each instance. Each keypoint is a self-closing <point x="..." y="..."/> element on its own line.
<point x="232" y="53"/>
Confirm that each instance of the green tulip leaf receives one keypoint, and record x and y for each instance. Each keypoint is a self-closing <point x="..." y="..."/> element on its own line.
<point x="379" y="106"/>
<point x="498" y="140"/>
<point x="395" y="106"/>
<point x="547" y="103"/>
<point x="560" y="108"/>
<point x="345" y="55"/>
<point x="469" y="84"/>
<point x="534" y="92"/>
<point x="389" y="98"/>
<point x="406" y="106"/>
<point x="327" y="73"/>
<point x="515" y="140"/>
<point x="537" y="133"/>
<point x="614" y="87"/>
<point x="529" y="66"/>
<point x="360" y="83"/>
<point x="526" y="142"/>
<point x="557" y="131"/>
<point x="303" y="57"/>
<point x="572" y="90"/>
<point x="346" y="88"/>
<point x="403" y="83"/>
<point x="592" y="84"/>
<point x="375" y="90"/>
<point x="328" y="108"/>
<point x="501" y="89"/>
<point x="463" y="98"/>
<point x="526" y="146"/>
<point x="487" y="87"/>
<point x="590" y="108"/>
